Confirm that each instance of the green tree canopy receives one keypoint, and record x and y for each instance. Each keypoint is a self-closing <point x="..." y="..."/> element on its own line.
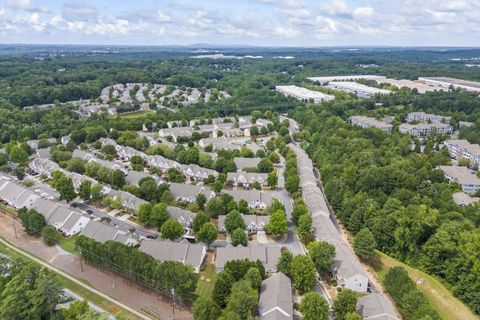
<point x="314" y="307"/>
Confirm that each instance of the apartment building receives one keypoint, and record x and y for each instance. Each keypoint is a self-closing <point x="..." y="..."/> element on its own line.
<point x="464" y="149"/>
<point x="427" y="117"/>
<point x="425" y="129"/>
<point x="367" y="122"/>
<point x="467" y="178"/>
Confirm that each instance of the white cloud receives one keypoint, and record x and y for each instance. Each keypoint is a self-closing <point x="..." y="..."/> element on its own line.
<point x="120" y="26"/>
<point x="56" y="20"/>
<point x="76" y="25"/>
<point x="363" y="12"/>
<point x="286" y="32"/>
<point x="163" y="17"/>
<point x="19" y="4"/>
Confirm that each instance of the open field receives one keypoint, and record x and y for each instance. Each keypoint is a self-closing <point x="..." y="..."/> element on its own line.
<point x="72" y="286"/>
<point x="449" y="307"/>
<point x="136" y="114"/>
<point x="207" y="277"/>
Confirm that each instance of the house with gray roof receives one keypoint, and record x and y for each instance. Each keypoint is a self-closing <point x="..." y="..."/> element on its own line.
<point x="103" y="232"/>
<point x="16" y="195"/>
<point x="161" y="162"/>
<point x="134" y="177"/>
<point x="184" y="252"/>
<point x="253" y="223"/>
<point x="77" y="179"/>
<point x="112" y="165"/>
<point x="61" y="216"/>
<point x="276" y="298"/>
<point x="33" y="144"/>
<point x="267" y="255"/>
<point x="43" y="153"/>
<point x="183" y="216"/>
<point x="243" y="163"/>
<point x="197" y="173"/>
<point x="44" y="167"/>
<point x="246" y="179"/>
<point x="175" y="133"/>
<point x="188" y="192"/>
<point x="221" y="143"/>
<point x="256" y="199"/>
<point x="128" y="200"/>
<point x="375" y="306"/>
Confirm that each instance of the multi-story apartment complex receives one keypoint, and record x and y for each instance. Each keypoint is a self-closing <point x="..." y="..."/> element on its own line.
<point x="465" y="177"/>
<point x="464" y="149"/>
<point x="426" y="117"/>
<point x="425" y="129"/>
<point x="367" y="122"/>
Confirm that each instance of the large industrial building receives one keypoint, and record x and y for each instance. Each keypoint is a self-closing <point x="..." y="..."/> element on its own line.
<point x="444" y="82"/>
<point x="358" y="89"/>
<point x="326" y="80"/>
<point x="304" y="94"/>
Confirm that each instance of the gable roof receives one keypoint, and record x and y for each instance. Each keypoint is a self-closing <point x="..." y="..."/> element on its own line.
<point x="375" y="306"/>
<point x="243" y="163"/>
<point x="134" y="177"/>
<point x="102" y="232"/>
<point x="267" y="255"/>
<point x="184" y="252"/>
<point x="276" y="301"/>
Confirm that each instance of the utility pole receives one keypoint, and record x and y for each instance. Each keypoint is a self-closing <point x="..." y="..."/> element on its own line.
<point x="173" y="301"/>
<point x="14" y="228"/>
<point x="81" y="263"/>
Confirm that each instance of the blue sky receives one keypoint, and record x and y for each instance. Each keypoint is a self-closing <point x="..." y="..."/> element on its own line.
<point x="253" y="22"/>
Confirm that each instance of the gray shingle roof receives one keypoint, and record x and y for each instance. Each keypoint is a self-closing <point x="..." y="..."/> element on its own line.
<point x="276" y="301"/>
<point x="100" y="232"/>
<point x="243" y="163"/>
<point x="184" y="252"/>
<point x="267" y="255"/>
<point x="375" y="306"/>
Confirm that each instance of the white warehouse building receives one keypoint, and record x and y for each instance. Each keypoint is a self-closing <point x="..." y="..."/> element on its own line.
<point x="304" y="94"/>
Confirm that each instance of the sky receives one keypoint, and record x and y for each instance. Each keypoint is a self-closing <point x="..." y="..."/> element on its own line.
<point x="249" y="22"/>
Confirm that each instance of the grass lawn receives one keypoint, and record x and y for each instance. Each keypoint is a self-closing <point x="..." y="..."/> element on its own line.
<point x="72" y="286"/>
<point x="8" y="209"/>
<point x="68" y="244"/>
<point x="449" y="307"/>
<point x="136" y="114"/>
<point x="206" y="281"/>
